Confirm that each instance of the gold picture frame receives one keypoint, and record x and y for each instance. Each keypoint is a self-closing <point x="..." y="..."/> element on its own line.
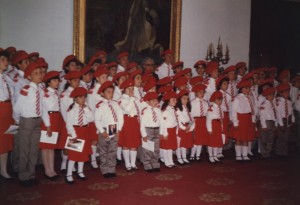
<point x="79" y="21"/>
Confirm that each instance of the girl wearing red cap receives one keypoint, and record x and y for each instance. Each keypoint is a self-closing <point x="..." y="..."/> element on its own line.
<point x="69" y="64"/>
<point x="137" y="78"/>
<point x="78" y="118"/>
<point x="186" y="126"/>
<point x="169" y="141"/>
<point x="112" y="68"/>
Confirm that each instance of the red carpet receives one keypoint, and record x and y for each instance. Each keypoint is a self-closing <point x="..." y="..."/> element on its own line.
<point x="265" y="182"/>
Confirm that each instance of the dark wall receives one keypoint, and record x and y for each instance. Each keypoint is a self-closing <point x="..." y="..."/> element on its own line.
<point x="275" y="34"/>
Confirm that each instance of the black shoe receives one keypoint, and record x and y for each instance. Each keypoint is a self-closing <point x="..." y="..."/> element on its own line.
<point x="112" y="175"/>
<point x="69" y="182"/>
<point x="51" y="178"/>
<point x="156" y="170"/>
<point x="149" y="170"/>
<point x="107" y="175"/>
<point x="34" y="181"/>
<point x="119" y="162"/>
<point x="80" y="177"/>
<point x="63" y="171"/>
<point x="6" y="179"/>
<point x="135" y="168"/>
<point x="25" y="183"/>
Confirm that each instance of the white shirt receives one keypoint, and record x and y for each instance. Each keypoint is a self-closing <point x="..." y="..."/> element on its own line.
<point x="164" y="70"/>
<point x="147" y="120"/>
<point x="297" y="102"/>
<point x="169" y="119"/>
<point x="196" y="104"/>
<point x="65" y="102"/>
<point x="26" y="103"/>
<point x="293" y="93"/>
<point x="240" y="105"/>
<point x="62" y="81"/>
<point x="138" y="92"/>
<point x="280" y="109"/>
<point x="185" y="117"/>
<point x="130" y="105"/>
<point x="72" y="118"/>
<point x="86" y="85"/>
<point x="93" y="97"/>
<point x="266" y="112"/>
<point x="117" y="93"/>
<point x="19" y="83"/>
<point x="212" y="114"/>
<point x="120" y="69"/>
<point x="50" y="103"/>
<point x="5" y="88"/>
<point x="211" y="88"/>
<point x="104" y="115"/>
<point x="11" y="71"/>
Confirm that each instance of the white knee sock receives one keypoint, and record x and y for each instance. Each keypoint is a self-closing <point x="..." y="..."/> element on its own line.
<point x="215" y="153"/>
<point x="210" y="153"/>
<point x="238" y="150"/>
<point x="199" y="148"/>
<point x="245" y="152"/>
<point x="71" y="164"/>
<point x="80" y="169"/>
<point x="63" y="161"/>
<point x="119" y="153"/>
<point x="166" y="157"/>
<point x="133" y="158"/>
<point x="93" y="155"/>
<point x="250" y="148"/>
<point x="170" y="157"/>
<point x="126" y="158"/>
<point x="193" y="152"/>
<point x="178" y="154"/>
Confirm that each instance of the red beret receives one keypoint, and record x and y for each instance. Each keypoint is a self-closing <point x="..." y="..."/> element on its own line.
<point x="131" y="65"/>
<point x="195" y="80"/>
<point x="166" y="88"/>
<point x="73" y="75"/>
<point x="266" y="81"/>
<point x="150" y="84"/>
<point x="200" y="62"/>
<point x="243" y="84"/>
<point x="229" y="69"/>
<point x="248" y="76"/>
<point x="93" y="59"/>
<point x="30" y="68"/>
<point x="177" y="64"/>
<point x="240" y="65"/>
<point x="100" y="71"/>
<point x="122" y="54"/>
<point x="220" y="79"/>
<point x="268" y="91"/>
<point x="50" y="74"/>
<point x="42" y="62"/>
<point x="212" y="66"/>
<point x="215" y="95"/>
<point x="283" y="74"/>
<point x="11" y="49"/>
<point x="180" y="82"/>
<point x="182" y="73"/>
<point x="127" y="83"/>
<point x="33" y="54"/>
<point x="164" y="81"/>
<point x="86" y="69"/>
<point x="100" y="53"/>
<point x="199" y="87"/>
<point x="182" y="92"/>
<point x="165" y="52"/>
<point x="135" y="73"/>
<point x="68" y="59"/>
<point x="169" y="95"/>
<point x="104" y="86"/>
<point x="150" y="96"/>
<point x="112" y="64"/>
<point x="296" y="78"/>
<point x="79" y="91"/>
<point x="283" y="87"/>
<point x="19" y="56"/>
<point x="148" y="77"/>
<point x="119" y="75"/>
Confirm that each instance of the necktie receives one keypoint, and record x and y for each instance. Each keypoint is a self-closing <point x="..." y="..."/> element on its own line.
<point x="251" y="104"/>
<point x="80" y="117"/>
<point x="169" y="70"/>
<point x="176" y="116"/>
<point x="231" y="90"/>
<point x="188" y="113"/>
<point x="8" y="89"/>
<point x="220" y="112"/>
<point x="140" y="93"/>
<point x="201" y="109"/>
<point x="286" y="110"/>
<point x="113" y="112"/>
<point x="273" y="108"/>
<point x="56" y="93"/>
<point x="154" y="117"/>
<point x="87" y="86"/>
<point x="225" y="101"/>
<point x="37" y="102"/>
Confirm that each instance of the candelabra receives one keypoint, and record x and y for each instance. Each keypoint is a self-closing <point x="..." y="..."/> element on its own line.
<point x="217" y="56"/>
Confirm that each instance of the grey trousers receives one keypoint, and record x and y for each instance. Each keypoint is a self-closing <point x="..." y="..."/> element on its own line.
<point x="282" y="140"/>
<point x="108" y="154"/>
<point x="29" y="138"/>
<point x="266" y="139"/>
<point x="15" y="154"/>
<point x="150" y="159"/>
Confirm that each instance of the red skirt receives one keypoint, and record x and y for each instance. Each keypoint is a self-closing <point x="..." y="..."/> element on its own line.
<point x="130" y="134"/>
<point x="6" y="141"/>
<point x="215" y="139"/>
<point x="93" y="131"/>
<point x="226" y="126"/>
<point x="62" y="137"/>
<point x="82" y="133"/>
<point x="171" y="142"/>
<point x="201" y="135"/>
<point x="56" y="122"/>
<point x="186" y="139"/>
<point x="245" y="130"/>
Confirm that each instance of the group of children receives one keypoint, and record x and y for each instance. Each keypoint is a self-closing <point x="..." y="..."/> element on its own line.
<point x="115" y="108"/>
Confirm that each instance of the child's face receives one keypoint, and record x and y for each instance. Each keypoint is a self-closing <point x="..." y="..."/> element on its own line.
<point x="121" y="80"/>
<point x="80" y="100"/>
<point x="87" y="77"/>
<point x="168" y="58"/>
<point x="72" y="66"/>
<point x="36" y="76"/>
<point x="224" y="85"/>
<point x="102" y="78"/>
<point x="74" y="83"/>
<point x="129" y="91"/>
<point x="153" y="102"/>
<point x="95" y="66"/>
<point x="152" y="89"/>
<point x="285" y="94"/>
<point x="215" y="74"/>
<point x="246" y="90"/>
<point x="54" y="83"/>
<point x="219" y="101"/>
<point x="182" y="87"/>
<point x="112" y="71"/>
<point x="200" y="94"/>
<point x="103" y="58"/>
<point x="23" y="64"/>
<point x="200" y="70"/>
<point x="108" y="93"/>
<point x="44" y="71"/>
<point x="231" y="75"/>
<point x="242" y="71"/>
<point x="185" y="99"/>
<point x="177" y="69"/>
<point x="3" y="63"/>
<point x="270" y="97"/>
<point x="172" y="102"/>
<point x="138" y="81"/>
<point x="123" y="61"/>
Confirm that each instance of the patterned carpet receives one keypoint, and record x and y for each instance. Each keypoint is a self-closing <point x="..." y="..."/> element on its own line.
<point x="261" y="182"/>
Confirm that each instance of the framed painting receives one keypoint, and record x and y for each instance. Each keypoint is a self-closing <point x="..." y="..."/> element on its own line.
<point x="141" y="27"/>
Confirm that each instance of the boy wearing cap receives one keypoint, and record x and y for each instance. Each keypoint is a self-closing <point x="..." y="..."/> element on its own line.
<point x="151" y="129"/>
<point x="230" y="73"/>
<point x="27" y="113"/>
<point x="213" y="71"/>
<point x="69" y="64"/>
<point x="109" y="121"/>
<point x="123" y="61"/>
<point x="200" y="67"/>
<point x="87" y="81"/>
<point x="112" y="68"/>
<point x="165" y="69"/>
<point x="241" y="68"/>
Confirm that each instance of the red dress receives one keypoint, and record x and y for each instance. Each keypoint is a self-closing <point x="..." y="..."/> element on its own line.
<point x="201" y="135"/>
<point x="171" y="142"/>
<point x="245" y="130"/>
<point x="93" y="131"/>
<point x="186" y="139"/>
<point x="130" y="135"/>
<point x="215" y="139"/>
<point x="226" y="126"/>
<point x="6" y="141"/>
<point x="62" y="137"/>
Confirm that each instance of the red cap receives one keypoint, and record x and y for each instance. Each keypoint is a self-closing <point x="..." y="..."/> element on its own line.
<point x="104" y="86"/>
<point x="19" y="56"/>
<point x="229" y="69"/>
<point x="73" y="75"/>
<point x="177" y="64"/>
<point x="180" y="82"/>
<point x="150" y="96"/>
<point x="284" y="74"/>
<point x="266" y="81"/>
<point x="200" y="62"/>
<point x="50" y="74"/>
<point x="212" y="66"/>
<point x="283" y="87"/>
<point x="42" y="62"/>
<point x="164" y="81"/>
<point x="195" y="80"/>
<point x="215" y="95"/>
<point x="166" y="88"/>
<point x="135" y="73"/>
<point x="86" y="69"/>
<point x="148" y="77"/>
<point x="100" y="53"/>
<point x="122" y="54"/>
<point x="131" y="65"/>
<point x="220" y="79"/>
<point x="79" y="91"/>
<point x="296" y="78"/>
<point x="11" y="49"/>
<point x="169" y="95"/>
<point x="240" y="65"/>
<point x="150" y="84"/>
<point x="268" y="91"/>
<point x="119" y="75"/>
<point x="248" y="76"/>
<point x="93" y="59"/>
<point x="127" y="83"/>
<point x="34" y="54"/>
<point x="165" y="52"/>
<point x="100" y="71"/>
<point x="112" y="64"/>
<point x="243" y="84"/>
<point x="199" y="87"/>
<point x="182" y="73"/>
<point x="182" y="92"/>
<point x="30" y="68"/>
<point x="68" y="59"/>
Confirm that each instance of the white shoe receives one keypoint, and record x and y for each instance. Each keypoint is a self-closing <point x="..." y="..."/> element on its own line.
<point x="186" y="161"/>
<point x="238" y="158"/>
<point x="216" y="159"/>
<point x="94" y="165"/>
<point x="246" y="158"/>
<point x="180" y="161"/>
<point x="220" y="155"/>
<point x="211" y="159"/>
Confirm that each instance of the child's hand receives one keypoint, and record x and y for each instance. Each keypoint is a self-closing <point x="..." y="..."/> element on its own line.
<point x="187" y="129"/>
<point x="49" y="132"/>
<point x="145" y="139"/>
<point x="104" y="134"/>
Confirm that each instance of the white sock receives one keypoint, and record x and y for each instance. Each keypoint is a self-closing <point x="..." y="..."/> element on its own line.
<point x="71" y="164"/>
<point x="63" y="161"/>
<point x="199" y="148"/>
<point x="215" y="153"/>
<point x="133" y="158"/>
<point x="93" y="155"/>
<point x="238" y="151"/>
<point x="126" y="158"/>
<point x="166" y="158"/>
<point x="193" y="152"/>
<point x="119" y="153"/>
<point x="80" y="169"/>
<point x="183" y="153"/>
<point x="210" y="153"/>
<point x="178" y="154"/>
<point x="170" y="157"/>
<point x="250" y="148"/>
<point x="245" y="150"/>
